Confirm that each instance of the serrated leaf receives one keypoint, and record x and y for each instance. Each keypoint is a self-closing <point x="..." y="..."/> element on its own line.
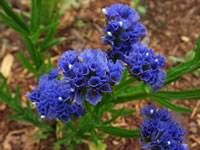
<point x="120" y="132"/>
<point x="164" y="102"/>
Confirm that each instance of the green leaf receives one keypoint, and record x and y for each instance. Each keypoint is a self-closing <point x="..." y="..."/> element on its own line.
<point x="52" y="43"/>
<point x="197" y="51"/>
<point x="173" y="95"/>
<point x="35" y="16"/>
<point x="48" y="10"/>
<point x="72" y="126"/>
<point x="51" y="26"/>
<point x="142" y="10"/>
<point x="164" y="102"/>
<point x="98" y="146"/>
<point x="32" y="51"/>
<point x="124" y="85"/>
<point x="9" y="11"/>
<point x="94" y="136"/>
<point x="125" y="75"/>
<point x="125" y="99"/>
<point x="26" y="63"/>
<point x="12" y="24"/>
<point x="175" y="73"/>
<point x="124" y="113"/>
<point x="50" y="35"/>
<point x="176" y="59"/>
<point x="120" y="132"/>
<point x="137" y="1"/>
<point x="85" y="123"/>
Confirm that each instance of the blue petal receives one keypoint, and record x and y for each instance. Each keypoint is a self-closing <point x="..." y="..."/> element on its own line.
<point x="93" y="96"/>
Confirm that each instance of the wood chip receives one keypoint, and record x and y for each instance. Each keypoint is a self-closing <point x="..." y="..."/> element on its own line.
<point x="7" y="65"/>
<point x="185" y="39"/>
<point x="195" y="110"/>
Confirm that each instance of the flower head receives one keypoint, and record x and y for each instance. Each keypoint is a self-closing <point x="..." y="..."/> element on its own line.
<point x="123" y="28"/>
<point x="92" y="76"/>
<point x="145" y="66"/>
<point x="160" y="131"/>
<point x="54" y="99"/>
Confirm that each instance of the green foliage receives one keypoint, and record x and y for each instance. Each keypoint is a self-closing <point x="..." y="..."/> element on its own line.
<point x="47" y="11"/>
<point x="136" y="4"/>
<point x="175" y="73"/>
<point x="120" y="132"/>
<point x="32" y="32"/>
<point x="22" y="114"/>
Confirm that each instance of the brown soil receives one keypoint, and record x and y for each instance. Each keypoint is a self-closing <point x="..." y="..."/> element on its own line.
<point x="173" y="29"/>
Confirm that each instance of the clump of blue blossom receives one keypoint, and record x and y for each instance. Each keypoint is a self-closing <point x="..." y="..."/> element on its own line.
<point x="91" y="73"/>
<point x="85" y="76"/>
<point x="123" y="27"/>
<point x="54" y="98"/>
<point x="145" y="66"/>
<point x="160" y="131"/>
<point x="123" y="32"/>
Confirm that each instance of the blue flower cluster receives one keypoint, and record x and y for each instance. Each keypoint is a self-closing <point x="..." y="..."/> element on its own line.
<point x="91" y="73"/>
<point x="145" y="66"/>
<point x="160" y="131"/>
<point x="54" y="99"/>
<point x="123" y="32"/>
<point x="123" y="28"/>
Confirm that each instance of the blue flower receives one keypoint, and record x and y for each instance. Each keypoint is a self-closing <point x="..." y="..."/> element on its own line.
<point x="145" y="66"/>
<point x="54" y="98"/>
<point x="123" y="28"/>
<point x="93" y="96"/>
<point x="160" y="131"/>
<point x="91" y="72"/>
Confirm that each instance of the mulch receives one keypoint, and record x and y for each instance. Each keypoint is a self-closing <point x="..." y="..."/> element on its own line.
<point x="173" y="29"/>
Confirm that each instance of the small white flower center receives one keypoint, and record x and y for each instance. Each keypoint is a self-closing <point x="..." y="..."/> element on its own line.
<point x="70" y="66"/>
<point x="147" y="54"/>
<point x="151" y="111"/>
<point x="120" y="23"/>
<point x="42" y="117"/>
<point x="33" y="103"/>
<point x="60" y="98"/>
<point x="156" y="60"/>
<point x="168" y="142"/>
<point x="109" y="33"/>
<point x="72" y="90"/>
<point x="104" y="11"/>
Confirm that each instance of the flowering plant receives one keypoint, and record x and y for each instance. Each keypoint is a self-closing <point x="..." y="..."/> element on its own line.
<point x="90" y="83"/>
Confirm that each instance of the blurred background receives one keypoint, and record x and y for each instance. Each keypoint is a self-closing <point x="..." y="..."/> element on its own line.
<point x="173" y="30"/>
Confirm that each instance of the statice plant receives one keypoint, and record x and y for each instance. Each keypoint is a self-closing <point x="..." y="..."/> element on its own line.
<point x="88" y="84"/>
